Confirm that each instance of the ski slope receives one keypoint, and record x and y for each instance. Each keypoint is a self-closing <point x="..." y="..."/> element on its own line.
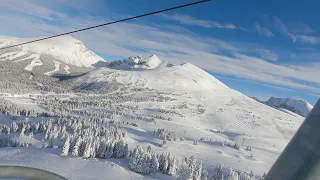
<point x="211" y="107"/>
<point x="183" y="99"/>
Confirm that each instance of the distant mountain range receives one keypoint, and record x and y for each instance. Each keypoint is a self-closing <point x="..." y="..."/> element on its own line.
<point x="299" y="107"/>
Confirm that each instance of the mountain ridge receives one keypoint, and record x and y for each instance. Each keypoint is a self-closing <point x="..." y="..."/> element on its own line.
<point x="61" y="55"/>
<point x="299" y="107"/>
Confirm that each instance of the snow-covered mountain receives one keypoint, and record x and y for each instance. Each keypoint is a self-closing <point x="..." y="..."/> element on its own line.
<point x="61" y="55"/>
<point x="145" y="95"/>
<point x="137" y="62"/>
<point x="153" y="73"/>
<point x="205" y="107"/>
<point x="297" y="106"/>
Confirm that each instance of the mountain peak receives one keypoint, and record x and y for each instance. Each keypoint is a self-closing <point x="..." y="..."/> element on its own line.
<point x="50" y="54"/>
<point x="137" y="62"/>
<point x="297" y="106"/>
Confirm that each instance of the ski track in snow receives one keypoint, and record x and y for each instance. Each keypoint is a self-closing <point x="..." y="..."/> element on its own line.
<point x="35" y="62"/>
<point x="67" y="68"/>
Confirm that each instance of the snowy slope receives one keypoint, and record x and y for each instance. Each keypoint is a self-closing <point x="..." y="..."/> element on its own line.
<point x="152" y="94"/>
<point x="297" y="106"/>
<point x="210" y="107"/>
<point x="52" y="54"/>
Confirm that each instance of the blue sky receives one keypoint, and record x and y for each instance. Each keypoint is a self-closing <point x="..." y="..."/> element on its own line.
<point x="260" y="48"/>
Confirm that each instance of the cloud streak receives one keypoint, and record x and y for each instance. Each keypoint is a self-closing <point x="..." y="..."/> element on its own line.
<point x="308" y="39"/>
<point x="263" y="30"/>
<point x="296" y="32"/>
<point x="189" y="20"/>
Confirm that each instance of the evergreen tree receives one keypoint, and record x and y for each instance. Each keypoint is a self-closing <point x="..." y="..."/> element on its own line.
<point x="154" y="163"/>
<point x="65" y="148"/>
<point x="109" y="149"/>
<point x="75" y="149"/>
<point x="120" y="149"/>
<point x="183" y="172"/>
<point x="218" y="173"/>
<point x="87" y="150"/>
<point x="14" y="127"/>
<point x="102" y="149"/>
<point x="172" y="165"/>
<point x="244" y="176"/>
<point x="192" y="165"/>
<point x="205" y="174"/>
<point x="198" y="171"/>
<point x="231" y="175"/>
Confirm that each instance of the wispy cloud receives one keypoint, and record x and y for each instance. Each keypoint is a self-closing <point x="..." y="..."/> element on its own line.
<point x="299" y="28"/>
<point x="263" y="30"/>
<point x="189" y="20"/>
<point x="296" y="32"/>
<point x="267" y="54"/>
<point x="309" y="39"/>
<point x="129" y="39"/>
<point x="30" y="8"/>
<point x="284" y="30"/>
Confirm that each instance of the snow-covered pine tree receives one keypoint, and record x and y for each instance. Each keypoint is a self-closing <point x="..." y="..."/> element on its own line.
<point x="217" y="173"/>
<point x="135" y="159"/>
<point x="244" y="176"/>
<point x="50" y="145"/>
<point x="7" y="130"/>
<point x="87" y="150"/>
<point x="102" y="149"/>
<point x="76" y="147"/>
<point x="192" y="162"/>
<point x="205" y="174"/>
<point x="146" y="163"/>
<point x="22" y="131"/>
<point x="93" y="149"/>
<point x="82" y="147"/>
<point x="36" y="128"/>
<point x="46" y="134"/>
<point x="172" y="165"/>
<point x="163" y="163"/>
<point x="120" y="149"/>
<point x="183" y="171"/>
<point x="197" y="172"/>
<point x="251" y="174"/>
<point x="154" y="163"/>
<point x="66" y="146"/>
<point x="231" y="175"/>
<point x="109" y="149"/>
<point x="14" y="127"/>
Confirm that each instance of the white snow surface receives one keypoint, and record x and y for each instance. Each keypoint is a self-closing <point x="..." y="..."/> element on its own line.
<point x="208" y="108"/>
<point x="64" y="48"/>
<point x="138" y="62"/>
<point x="240" y="118"/>
<point x="297" y="106"/>
<point x="177" y="78"/>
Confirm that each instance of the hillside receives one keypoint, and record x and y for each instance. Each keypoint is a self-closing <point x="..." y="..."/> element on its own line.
<point x="207" y="108"/>
<point x="61" y="55"/>
<point x="142" y="101"/>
